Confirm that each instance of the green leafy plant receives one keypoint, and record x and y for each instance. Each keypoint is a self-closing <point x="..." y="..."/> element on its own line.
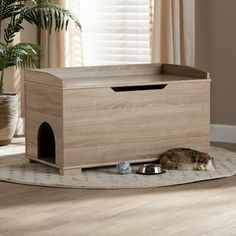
<point x="44" y="14"/>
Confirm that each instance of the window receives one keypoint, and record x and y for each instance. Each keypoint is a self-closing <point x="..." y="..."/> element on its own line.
<point x="114" y="31"/>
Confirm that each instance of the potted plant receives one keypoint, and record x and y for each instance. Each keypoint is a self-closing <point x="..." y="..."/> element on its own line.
<point x="44" y="14"/>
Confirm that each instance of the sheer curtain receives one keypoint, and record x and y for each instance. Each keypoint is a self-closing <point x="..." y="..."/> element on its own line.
<point x="113" y="32"/>
<point x="62" y="49"/>
<point x="73" y="50"/>
<point x="124" y="31"/>
<point x="52" y="46"/>
<point x="173" y="31"/>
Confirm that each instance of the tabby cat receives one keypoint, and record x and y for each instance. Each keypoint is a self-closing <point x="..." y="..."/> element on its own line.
<point x="186" y="159"/>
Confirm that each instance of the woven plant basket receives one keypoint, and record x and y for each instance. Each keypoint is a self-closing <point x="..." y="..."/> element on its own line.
<point x="8" y="117"/>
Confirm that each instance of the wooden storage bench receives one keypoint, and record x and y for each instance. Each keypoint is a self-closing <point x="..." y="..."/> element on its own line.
<point x="95" y="116"/>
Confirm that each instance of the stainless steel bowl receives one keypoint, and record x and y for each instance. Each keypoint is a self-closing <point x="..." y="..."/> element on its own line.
<point x="150" y="169"/>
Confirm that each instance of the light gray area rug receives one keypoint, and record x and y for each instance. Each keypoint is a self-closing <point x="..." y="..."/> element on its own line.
<point x="14" y="167"/>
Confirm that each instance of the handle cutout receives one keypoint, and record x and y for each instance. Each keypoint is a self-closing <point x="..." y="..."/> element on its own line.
<point x="138" y="88"/>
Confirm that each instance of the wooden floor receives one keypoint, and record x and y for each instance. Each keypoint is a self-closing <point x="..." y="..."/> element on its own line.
<point x="204" y="208"/>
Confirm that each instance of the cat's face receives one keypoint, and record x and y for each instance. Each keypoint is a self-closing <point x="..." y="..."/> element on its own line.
<point x="204" y="163"/>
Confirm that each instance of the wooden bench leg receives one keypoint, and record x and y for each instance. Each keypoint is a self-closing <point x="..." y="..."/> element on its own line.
<point x="70" y="171"/>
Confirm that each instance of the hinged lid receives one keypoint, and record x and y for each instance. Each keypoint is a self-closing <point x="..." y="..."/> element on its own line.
<point x="115" y="75"/>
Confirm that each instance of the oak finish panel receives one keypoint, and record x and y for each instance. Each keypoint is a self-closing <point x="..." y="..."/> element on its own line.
<point x="135" y="125"/>
<point x="43" y="104"/>
<point x="94" y="124"/>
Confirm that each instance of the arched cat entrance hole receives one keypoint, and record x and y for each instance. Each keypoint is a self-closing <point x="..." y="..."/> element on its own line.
<point x="46" y="143"/>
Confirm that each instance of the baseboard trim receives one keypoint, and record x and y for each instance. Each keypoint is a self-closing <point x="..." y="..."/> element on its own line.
<point x="223" y="133"/>
<point x="20" y="127"/>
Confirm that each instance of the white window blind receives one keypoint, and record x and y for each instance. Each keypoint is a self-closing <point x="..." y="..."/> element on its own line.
<point x="114" y="31"/>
